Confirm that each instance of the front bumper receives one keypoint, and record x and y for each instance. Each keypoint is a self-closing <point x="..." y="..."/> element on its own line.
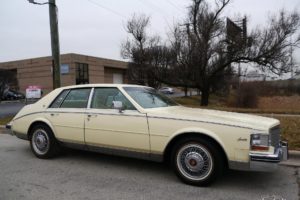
<point x="269" y="162"/>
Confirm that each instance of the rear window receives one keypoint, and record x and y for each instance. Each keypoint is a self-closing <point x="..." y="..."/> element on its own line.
<point x="77" y="98"/>
<point x="59" y="99"/>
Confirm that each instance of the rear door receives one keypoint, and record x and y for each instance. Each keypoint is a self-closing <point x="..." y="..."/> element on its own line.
<point x="67" y="113"/>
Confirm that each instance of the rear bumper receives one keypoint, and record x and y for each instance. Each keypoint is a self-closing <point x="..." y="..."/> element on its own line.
<point x="269" y="162"/>
<point x="9" y="128"/>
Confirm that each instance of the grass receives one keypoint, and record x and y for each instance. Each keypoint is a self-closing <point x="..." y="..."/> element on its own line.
<point x="291" y="131"/>
<point x="5" y="120"/>
<point x="220" y="104"/>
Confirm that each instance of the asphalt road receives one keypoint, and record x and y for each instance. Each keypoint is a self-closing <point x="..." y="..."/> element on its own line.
<point x="11" y="108"/>
<point x="85" y="175"/>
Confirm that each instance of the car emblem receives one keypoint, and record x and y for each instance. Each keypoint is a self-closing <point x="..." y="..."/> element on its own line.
<point x="242" y="139"/>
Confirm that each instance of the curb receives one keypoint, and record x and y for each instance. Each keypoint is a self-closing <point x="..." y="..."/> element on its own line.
<point x="13" y="101"/>
<point x="294" y="154"/>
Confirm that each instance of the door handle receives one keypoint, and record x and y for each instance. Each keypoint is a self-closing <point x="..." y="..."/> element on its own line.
<point x="92" y="115"/>
<point x="54" y="114"/>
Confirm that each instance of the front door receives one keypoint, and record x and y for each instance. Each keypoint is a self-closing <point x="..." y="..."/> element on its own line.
<point x="107" y="127"/>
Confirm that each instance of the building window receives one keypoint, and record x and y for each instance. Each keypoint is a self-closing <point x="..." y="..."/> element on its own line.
<point x="82" y="73"/>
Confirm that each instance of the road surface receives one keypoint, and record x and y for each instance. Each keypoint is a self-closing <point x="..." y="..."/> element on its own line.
<point x="84" y="175"/>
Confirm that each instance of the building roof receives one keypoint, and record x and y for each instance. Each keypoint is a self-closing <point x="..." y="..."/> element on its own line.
<point x="62" y="55"/>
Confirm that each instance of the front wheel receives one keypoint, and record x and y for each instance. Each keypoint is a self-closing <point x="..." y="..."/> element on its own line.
<point x="196" y="161"/>
<point x="42" y="142"/>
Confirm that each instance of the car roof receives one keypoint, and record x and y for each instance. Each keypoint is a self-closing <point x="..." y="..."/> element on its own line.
<point x="101" y="85"/>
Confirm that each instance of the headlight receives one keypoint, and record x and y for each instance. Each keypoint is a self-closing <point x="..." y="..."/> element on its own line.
<point x="260" y="142"/>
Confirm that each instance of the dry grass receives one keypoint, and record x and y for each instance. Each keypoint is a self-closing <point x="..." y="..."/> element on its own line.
<point x="291" y="131"/>
<point x="5" y="120"/>
<point x="286" y="105"/>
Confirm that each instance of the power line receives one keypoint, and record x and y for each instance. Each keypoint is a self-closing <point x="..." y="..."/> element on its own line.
<point x="156" y="9"/>
<point x="174" y="5"/>
<point x="107" y="9"/>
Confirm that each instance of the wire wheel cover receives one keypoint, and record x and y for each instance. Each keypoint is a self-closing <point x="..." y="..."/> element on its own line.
<point x="194" y="161"/>
<point x="40" y="142"/>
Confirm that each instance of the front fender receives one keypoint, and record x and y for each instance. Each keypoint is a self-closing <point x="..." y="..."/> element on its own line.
<point x="201" y="131"/>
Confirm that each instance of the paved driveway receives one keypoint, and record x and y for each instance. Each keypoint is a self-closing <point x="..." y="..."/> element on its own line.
<point x="84" y="175"/>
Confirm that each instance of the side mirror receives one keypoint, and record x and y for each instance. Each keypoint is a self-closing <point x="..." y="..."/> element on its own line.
<point x="118" y="105"/>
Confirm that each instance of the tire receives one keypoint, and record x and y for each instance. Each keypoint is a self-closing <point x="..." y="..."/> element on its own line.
<point x="197" y="161"/>
<point x="43" y="143"/>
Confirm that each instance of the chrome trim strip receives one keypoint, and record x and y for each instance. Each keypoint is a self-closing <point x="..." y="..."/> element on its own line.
<point x="119" y="131"/>
<point x="29" y="114"/>
<point x="191" y="120"/>
<point x="141" y="115"/>
<point x="82" y="112"/>
<point x="118" y="114"/>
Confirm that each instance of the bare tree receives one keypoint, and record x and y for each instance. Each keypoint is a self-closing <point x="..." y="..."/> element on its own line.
<point x="211" y="52"/>
<point x="138" y="49"/>
<point x="201" y="53"/>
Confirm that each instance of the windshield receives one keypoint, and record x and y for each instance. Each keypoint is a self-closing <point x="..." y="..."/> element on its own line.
<point x="149" y="97"/>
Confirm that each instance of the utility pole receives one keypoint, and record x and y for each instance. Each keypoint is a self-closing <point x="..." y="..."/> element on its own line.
<point x="54" y="43"/>
<point x="54" y="40"/>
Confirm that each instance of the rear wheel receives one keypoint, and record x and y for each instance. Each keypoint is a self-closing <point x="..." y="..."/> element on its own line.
<point x="196" y="161"/>
<point x="42" y="142"/>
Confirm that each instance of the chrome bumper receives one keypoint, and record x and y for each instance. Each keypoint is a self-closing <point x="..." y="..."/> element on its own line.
<point x="269" y="162"/>
<point x="9" y="128"/>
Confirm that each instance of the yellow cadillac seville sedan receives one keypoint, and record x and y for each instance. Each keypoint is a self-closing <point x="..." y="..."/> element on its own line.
<point x="137" y="121"/>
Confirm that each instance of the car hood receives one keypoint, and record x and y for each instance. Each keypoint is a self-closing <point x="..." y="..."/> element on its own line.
<point x="214" y="116"/>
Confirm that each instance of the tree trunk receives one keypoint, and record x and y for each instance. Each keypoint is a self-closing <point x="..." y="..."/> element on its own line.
<point x="204" y="96"/>
<point x="185" y="91"/>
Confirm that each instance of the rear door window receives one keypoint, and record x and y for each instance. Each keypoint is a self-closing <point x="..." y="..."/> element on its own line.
<point x="59" y="99"/>
<point x="77" y="98"/>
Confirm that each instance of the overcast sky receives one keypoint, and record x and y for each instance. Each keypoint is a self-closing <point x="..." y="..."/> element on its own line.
<point x="96" y="27"/>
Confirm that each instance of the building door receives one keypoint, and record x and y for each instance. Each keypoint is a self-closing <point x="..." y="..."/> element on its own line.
<point x="118" y="78"/>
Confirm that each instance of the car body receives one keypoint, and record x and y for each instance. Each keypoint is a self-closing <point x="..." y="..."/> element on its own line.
<point x="167" y="90"/>
<point x="138" y="121"/>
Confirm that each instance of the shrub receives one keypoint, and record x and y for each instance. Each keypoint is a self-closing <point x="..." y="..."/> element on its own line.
<point x="245" y="97"/>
